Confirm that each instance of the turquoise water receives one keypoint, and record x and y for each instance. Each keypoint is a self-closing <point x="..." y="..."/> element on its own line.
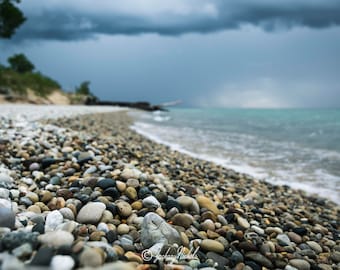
<point x="297" y="147"/>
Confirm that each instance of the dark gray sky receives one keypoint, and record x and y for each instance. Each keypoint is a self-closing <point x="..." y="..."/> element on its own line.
<point x="233" y="53"/>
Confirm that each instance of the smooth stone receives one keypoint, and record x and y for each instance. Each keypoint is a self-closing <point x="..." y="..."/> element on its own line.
<point x="242" y="222"/>
<point x="62" y="262"/>
<point x="189" y="203"/>
<point x="155" y="230"/>
<point x="236" y="257"/>
<point x="258" y="230"/>
<point x="208" y="224"/>
<point x="11" y="263"/>
<point x="91" y="257"/>
<point x="124" y="208"/>
<point x="111" y="236"/>
<point x="315" y="246"/>
<point x="205" y="202"/>
<point x="5" y="204"/>
<point x="4" y="193"/>
<point x="324" y="266"/>
<point x="121" y="266"/>
<point x="132" y="183"/>
<point x="283" y="240"/>
<point x="259" y="258"/>
<point x="123" y="229"/>
<point x="5" y="180"/>
<point x="112" y="192"/>
<point x="130" y="173"/>
<point x="133" y="257"/>
<point x="144" y="192"/>
<point x="67" y="213"/>
<point x="56" y="239"/>
<point x="335" y="256"/>
<point x="102" y="227"/>
<point x="289" y="267"/>
<point x="300" y="231"/>
<point x="151" y="202"/>
<point x="300" y="264"/>
<point x="184" y="220"/>
<point x="23" y="251"/>
<point x="91" y="213"/>
<point x="212" y="245"/>
<point x="7" y="218"/>
<point x="121" y="186"/>
<point x="106" y="183"/>
<point x="53" y="220"/>
<point x="131" y="193"/>
<point x="43" y="257"/>
<point x="67" y="149"/>
<point x="84" y="157"/>
<point x="90" y="170"/>
<point x="34" y="166"/>
<point x="294" y="237"/>
<point x="39" y="227"/>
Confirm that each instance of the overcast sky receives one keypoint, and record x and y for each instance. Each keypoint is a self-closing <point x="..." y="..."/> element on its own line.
<point x="234" y="53"/>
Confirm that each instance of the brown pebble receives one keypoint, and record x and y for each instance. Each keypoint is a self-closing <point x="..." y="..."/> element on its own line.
<point x="133" y="257"/>
<point x="205" y="202"/>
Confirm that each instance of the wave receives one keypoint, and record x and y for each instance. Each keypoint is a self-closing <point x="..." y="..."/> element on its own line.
<point x="275" y="164"/>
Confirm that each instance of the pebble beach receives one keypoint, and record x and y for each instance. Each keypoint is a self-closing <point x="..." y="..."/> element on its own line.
<point x="79" y="189"/>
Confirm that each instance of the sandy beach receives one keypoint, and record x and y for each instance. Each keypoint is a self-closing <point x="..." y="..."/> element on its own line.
<point x="80" y="189"/>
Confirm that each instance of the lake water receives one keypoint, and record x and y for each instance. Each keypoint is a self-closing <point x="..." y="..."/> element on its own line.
<point x="296" y="147"/>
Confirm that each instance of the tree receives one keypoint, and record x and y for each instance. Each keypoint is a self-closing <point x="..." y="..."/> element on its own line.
<point x="10" y="18"/>
<point x="84" y="89"/>
<point x="20" y="63"/>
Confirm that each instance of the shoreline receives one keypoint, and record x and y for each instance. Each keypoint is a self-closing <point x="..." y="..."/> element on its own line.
<point x="253" y="172"/>
<point x="235" y="220"/>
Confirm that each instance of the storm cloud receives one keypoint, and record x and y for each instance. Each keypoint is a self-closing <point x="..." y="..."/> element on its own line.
<point x="85" y="19"/>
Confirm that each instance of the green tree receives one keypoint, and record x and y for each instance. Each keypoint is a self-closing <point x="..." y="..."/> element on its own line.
<point x="10" y="18"/>
<point x="20" y="63"/>
<point x="84" y="89"/>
